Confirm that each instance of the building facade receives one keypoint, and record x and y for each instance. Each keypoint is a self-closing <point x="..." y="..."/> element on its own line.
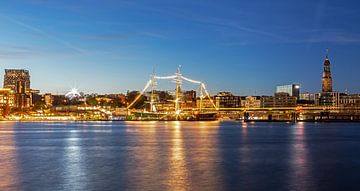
<point x="227" y="100"/>
<point x="328" y="99"/>
<point x="291" y="89"/>
<point x="284" y="100"/>
<point x="18" y="80"/>
<point x="251" y="102"/>
<point x="352" y="100"/>
<point x="278" y="100"/>
<point x="7" y="100"/>
<point x="326" y="81"/>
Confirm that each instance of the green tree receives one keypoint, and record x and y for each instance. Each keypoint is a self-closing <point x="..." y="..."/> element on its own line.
<point x="91" y="101"/>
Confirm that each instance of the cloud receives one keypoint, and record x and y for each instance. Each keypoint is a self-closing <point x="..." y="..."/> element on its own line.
<point x="14" y="52"/>
<point x="114" y="36"/>
<point x="323" y="36"/>
<point x="45" y="34"/>
<point x="105" y="36"/>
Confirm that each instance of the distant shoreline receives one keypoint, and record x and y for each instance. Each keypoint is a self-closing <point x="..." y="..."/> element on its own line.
<point x="222" y="121"/>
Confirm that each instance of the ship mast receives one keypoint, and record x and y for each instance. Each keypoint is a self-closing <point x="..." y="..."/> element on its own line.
<point x="152" y="95"/>
<point x="178" y="81"/>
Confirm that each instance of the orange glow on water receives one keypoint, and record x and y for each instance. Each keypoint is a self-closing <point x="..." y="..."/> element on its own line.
<point x="8" y="167"/>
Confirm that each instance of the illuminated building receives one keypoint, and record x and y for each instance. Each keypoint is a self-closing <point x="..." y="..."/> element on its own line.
<point x="327" y="97"/>
<point x="267" y="101"/>
<point x="204" y="103"/>
<point x="350" y="100"/>
<point x="7" y="100"/>
<point x="278" y="100"/>
<point x="306" y="99"/>
<point x="307" y="96"/>
<point x="337" y="99"/>
<point x="291" y="89"/>
<point x="227" y="100"/>
<point x="326" y="77"/>
<point x="48" y="99"/>
<point x="18" y="80"/>
<point x="189" y="99"/>
<point x="284" y="100"/>
<point x="251" y="102"/>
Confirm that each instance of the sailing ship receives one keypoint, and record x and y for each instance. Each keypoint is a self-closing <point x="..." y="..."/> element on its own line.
<point x="195" y="114"/>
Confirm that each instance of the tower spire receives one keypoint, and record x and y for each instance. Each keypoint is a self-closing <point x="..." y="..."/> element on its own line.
<point x="326" y="78"/>
<point x="327" y="53"/>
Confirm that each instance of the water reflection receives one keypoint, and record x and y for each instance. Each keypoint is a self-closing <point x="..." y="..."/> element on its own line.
<point x="8" y="166"/>
<point x="194" y="157"/>
<point x="178" y="178"/>
<point x="143" y="155"/>
<point x="74" y="164"/>
<point x="177" y="156"/>
<point x="300" y="177"/>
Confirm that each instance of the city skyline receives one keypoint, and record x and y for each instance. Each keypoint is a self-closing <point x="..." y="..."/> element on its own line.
<point x="114" y="46"/>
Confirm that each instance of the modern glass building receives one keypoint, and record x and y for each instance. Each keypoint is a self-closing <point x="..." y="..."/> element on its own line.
<point x="291" y="89"/>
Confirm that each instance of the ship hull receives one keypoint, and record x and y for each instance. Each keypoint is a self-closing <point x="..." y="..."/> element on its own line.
<point x="152" y="116"/>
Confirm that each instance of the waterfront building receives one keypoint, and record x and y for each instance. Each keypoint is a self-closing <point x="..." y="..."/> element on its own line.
<point x="291" y="89"/>
<point x="328" y="99"/>
<point x="48" y="99"/>
<point x="326" y="77"/>
<point x="306" y="96"/>
<point x="189" y="99"/>
<point x="204" y="103"/>
<point x="278" y="100"/>
<point x="350" y="100"/>
<point x="266" y="101"/>
<point x="306" y="99"/>
<point x="7" y="100"/>
<point x="284" y="100"/>
<point x="18" y="80"/>
<point x="227" y="100"/>
<point x="251" y="102"/>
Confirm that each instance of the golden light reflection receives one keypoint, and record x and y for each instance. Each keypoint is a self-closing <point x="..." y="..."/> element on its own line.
<point x="8" y="168"/>
<point x="178" y="178"/>
<point x="207" y="154"/>
<point x="245" y="154"/>
<point x="177" y="124"/>
<point x="144" y="156"/>
<point x="299" y="157"/>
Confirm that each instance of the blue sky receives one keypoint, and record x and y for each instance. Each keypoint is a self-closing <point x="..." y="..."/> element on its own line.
<point x="247" y="47"/>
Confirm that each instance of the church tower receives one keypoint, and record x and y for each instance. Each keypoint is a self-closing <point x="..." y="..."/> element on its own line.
<point x="326" y="77"/>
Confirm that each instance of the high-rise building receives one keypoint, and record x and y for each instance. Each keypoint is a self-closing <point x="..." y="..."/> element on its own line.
<point x="326" y="77"/>
<point x="17" y="79"/>
<point x="291" y="89"/>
